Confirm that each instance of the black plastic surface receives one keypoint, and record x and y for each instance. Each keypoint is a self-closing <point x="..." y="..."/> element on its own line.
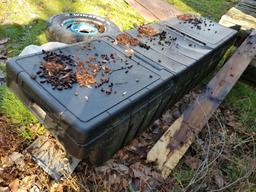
<point x="98" y="126"/>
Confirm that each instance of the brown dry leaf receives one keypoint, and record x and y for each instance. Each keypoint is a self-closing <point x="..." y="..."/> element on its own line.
<point x="218" y="179"/>
<point x="56" y="187"/>
<point x="185" y="17"/>
<point x="27" y="182"/>
<point x="14" y="185"/>
<point x="121" y="168"/>
<point x="83" y="76"/>
<point x="53" y="67"/>
<point x="167" y="117"/>
<point x="140" y="171"/>
<point x="125" y="183"/>
<point x="193" y="162"/>
<point x="125" y="39"/>
<point x="6" y="162"/>
<point x="15" y="156"/>
<point x="157" y="176"/>
<point x="4" y="189"/>
<point x="231" y="124"/>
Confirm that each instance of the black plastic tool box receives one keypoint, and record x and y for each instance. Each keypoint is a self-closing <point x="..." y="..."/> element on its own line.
<point x="94" y="125"/>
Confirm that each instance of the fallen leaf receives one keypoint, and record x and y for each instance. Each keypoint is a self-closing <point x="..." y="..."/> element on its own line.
<point x="121" y="168"/>
<point x="193" y="162"/>
<point x="6" y="162"/>
<point x="3" y="57"/>
<point x="4" y="189"/>
<point x="56" y="188"/>
<point x="15" y="156"/>
<point x="167" y="117"/>
<point x="27" y="182"/>
<point x="14" y="185"/>
<point x="157" y="176"/>
<point x="3" y="41"/>
<point x="231" y="124"/>
<point x="140" y="171"/>
<point x="125" y="183"/>
<point x="219" y="180"/>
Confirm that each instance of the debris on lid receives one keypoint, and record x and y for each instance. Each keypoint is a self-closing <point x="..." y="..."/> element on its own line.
<point x="85" y="77"/>
<point x="185" y="17"/>
<point x="197" y="22"/>
<point x="52" y="67"/>
<point x="62" y="71"/>
<point x="125" y="39"/>
<point x="56" y="70"/>
<point x="148" y="31"/>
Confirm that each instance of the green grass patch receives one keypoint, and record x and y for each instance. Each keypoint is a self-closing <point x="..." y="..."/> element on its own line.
<point x="14" y="109"/>
<point x="242" y="99"/>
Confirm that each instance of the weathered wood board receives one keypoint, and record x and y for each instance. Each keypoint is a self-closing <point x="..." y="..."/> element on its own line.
<point x="148" y="15"/>
<point x="243" y="14"/>
<point x="174" y="143"/>
<point x="156" y="9"/>
<point x="236" y="16"/>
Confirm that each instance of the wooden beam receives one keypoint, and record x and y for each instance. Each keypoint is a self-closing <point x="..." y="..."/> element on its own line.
<point x="174" y="143"/>
<point x="156" y="9"/>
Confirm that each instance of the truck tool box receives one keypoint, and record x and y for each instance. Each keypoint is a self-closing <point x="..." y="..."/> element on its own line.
<point x="122" y="94"/>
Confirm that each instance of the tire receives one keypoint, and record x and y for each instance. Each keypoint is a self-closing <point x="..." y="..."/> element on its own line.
<point x="76" y="27"/>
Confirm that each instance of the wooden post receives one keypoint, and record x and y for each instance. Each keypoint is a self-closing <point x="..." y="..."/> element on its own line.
<point x="174" y="143"/>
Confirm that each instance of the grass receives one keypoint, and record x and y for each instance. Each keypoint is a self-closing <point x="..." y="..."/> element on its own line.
<point x="243" y="99"/>
<point x="24" y="23"/>
<point x="12" y="107"/>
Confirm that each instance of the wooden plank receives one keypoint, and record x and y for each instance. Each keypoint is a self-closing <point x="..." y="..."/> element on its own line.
<point x="174" y="143"/>
<point x="237" y="17"/>
<point x="156" y="10"/>
<point x="142" y="10"/>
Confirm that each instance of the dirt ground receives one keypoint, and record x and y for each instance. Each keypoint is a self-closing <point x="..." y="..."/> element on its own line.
<point x="208" y="165"/>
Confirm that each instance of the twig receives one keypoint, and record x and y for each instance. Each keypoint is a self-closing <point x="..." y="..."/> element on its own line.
<point x="249" y="172"/>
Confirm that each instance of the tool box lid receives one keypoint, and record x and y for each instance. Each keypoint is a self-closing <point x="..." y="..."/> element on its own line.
<point x="128" y="77"/>
<point x="202" y="29"/>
